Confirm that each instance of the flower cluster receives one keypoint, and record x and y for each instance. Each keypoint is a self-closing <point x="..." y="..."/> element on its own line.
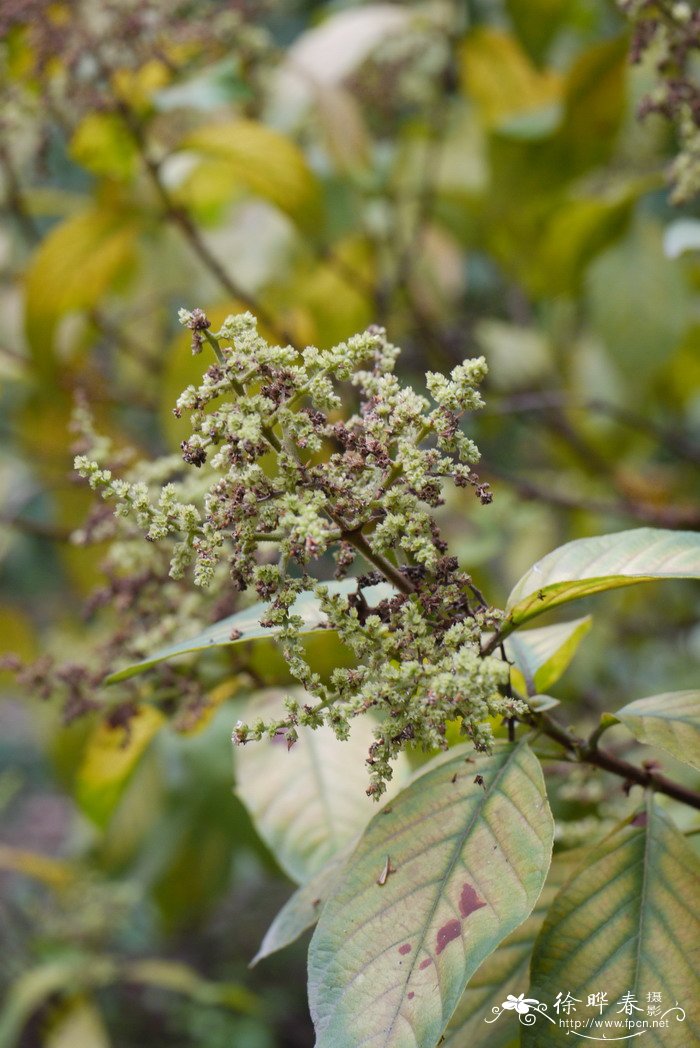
<point x="281" y="481"/>
<point x="668" y="31"/>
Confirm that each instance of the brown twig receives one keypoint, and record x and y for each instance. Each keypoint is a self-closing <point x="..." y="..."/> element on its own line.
<point x="180" y="218"/>
<point x="588" y="753"/>
<point x="673" y="517"/>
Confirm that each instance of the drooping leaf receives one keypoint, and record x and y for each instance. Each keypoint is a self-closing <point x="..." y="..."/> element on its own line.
<point x="302" y="909"/>
<point x="81" y="971"/>
<point x="109" y="760"/>
<point x="37" y="984"/>
<point x="77" y="1025"/>
<point x="246" y="626"/>
<point x="309" y="801"/>
<point x="671" y="721"/>
<point x="505" y="971"/>
<point x="588" y="566"/>
<point x="181" y="978"/>
<point x="263" y="161"/>
<point x="542" y="655"/>
<point x="73" y="268"/>
<point x="438" y="880"/>
<point x="625" y="923"/>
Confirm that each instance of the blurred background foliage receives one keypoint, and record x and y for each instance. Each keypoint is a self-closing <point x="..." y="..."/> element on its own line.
<point x="472" y="175"/>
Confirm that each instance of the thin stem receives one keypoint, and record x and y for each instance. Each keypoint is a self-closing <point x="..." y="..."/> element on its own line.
<point x="606" y="721"/>
<point x="583" y="751"/>
<point x="392" y="574"/>
<point x="181" y="219"/>
<point x="660" y="516"/>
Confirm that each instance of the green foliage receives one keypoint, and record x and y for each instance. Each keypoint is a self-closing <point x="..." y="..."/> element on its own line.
<point x="669" y="721"/>
<point x="438" y="880"/>
<point x="589" y="566"/>
<point x="631" y="909"/>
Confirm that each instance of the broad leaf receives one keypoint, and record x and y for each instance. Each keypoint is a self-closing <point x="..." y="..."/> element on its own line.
<point x="542" y="655"/>
<point x="505" y="971"/>
<point x="626" y="923"/>
<point x="671" y="721"/>
<point x="308" y="802"/>
<point x="263" y="161"/>
<point x="606" y="562"/>
<point x="503" y="82"/>
<point x="302" y="909"/>
<point x="110" y="759"/>
<point x="438" y="880"/>
<point x="245" y="626"/>
<point x="78" y="1024"/>
<point x="76" y="970"/>
<point x="103" y="144"/>
<point x="76" y="264"/>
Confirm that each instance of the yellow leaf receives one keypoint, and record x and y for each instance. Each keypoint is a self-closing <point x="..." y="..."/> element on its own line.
<point x="500" y="78"/>
<point x="264" y="162"/>
<point x="337" y="292"/>
<point x="110" y="758"/>
<point x="78" y="1026"/>
<point x="137" y="86"/>
<point x="103" y="145"/>
<point x="77" y="263"/>
<point x="54" y="872"/>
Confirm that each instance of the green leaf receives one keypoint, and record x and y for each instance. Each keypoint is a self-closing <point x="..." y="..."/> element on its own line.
<point x="81" y="971"/>
<point x="438" y="880"/>
<point x="639" y="303"/>
<point x="264" y="162"/>
<point x="302" y="909"/>
<point x="247" y="626"/>
<point x="109" y="760"/>
<point x="181" y="978"/>
<point x="671" y="721"/>
<point x="505" y="971"/>
<point x="76" y="264"/>
<point x="606" y="562"/>
<point x="308" y="802"/>
<point x="542" y="655"/>
<point x="34" y="986"/>
<point x="594" y="104"/>
<point x="627" y="922"/>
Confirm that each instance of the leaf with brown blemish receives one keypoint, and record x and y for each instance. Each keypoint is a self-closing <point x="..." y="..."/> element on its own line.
<point x="470" y="864"/>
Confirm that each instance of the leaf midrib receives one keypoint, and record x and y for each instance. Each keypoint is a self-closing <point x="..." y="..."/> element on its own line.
<point x="478" y="810"/>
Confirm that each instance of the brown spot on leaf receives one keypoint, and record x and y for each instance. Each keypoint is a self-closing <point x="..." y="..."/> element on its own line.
<point x="411" y="995"/>
<point x="640" y="819"/>
<point x="469" y="901"/>
<point x="406" y="948"/>
<point x="424" y="964"/>
<point x="446" y="934"/>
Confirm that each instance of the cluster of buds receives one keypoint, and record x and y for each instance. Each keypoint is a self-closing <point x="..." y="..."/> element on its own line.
<point x="668" y="31"/>
<point x="282" y="483"/>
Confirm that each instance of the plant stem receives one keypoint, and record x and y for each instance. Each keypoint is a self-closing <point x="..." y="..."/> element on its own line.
<point x="583" y="751"/>
<point x="179" y="217"/>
